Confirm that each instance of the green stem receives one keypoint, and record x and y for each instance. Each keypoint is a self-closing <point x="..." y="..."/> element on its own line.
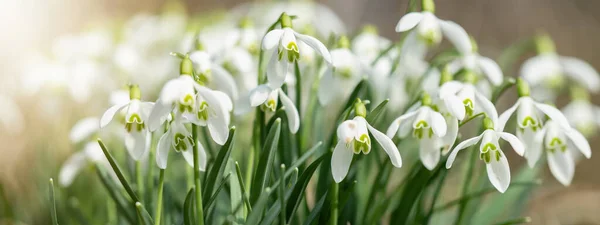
<point x="52" y="203"/>
<point x="139" y="178"/>
<point x="118" y="172"/>
<point x="298" y="105"/>
<point x="480" y="193"/>
<point x="243" y="187"/>
<point x="198" y="188"/>
<point x="465" y="189"/>
<point x="335" y="189"/>
<point x="282" y="218"/>
<point x="159" y="199"/>
<point x="150" y="175"/>
<point x="470" y="118"/>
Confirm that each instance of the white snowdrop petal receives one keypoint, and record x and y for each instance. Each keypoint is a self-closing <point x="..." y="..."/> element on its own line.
<point x="538" y="68"/>
<point x="553" y="114"/>
<point x="404" y="119"/>
<point x="157" y="115"/>
<point x="487" y="107"/>
<point x="457" y="35"/>
<point x="327" y="87"/>
<point x="409" y="21"/>
<point x="189" y="157"/>
<point x="224" y="81"/>
<point x="340" y="161"/>
<point x="83" y="129"/>
<point x="271" y="39"/>
<point x="451" y="134"/>
<point x="506" y="115"/>
<point x="259" y="95"/>
<point x="438" y="123"/>
<point x="388" y="146"/>
<point x="316" y="45"/>
<point x="582" y="72"/>
<point x="162" y="150"/>
<point x="450" y="88"/>
<point x="135" y="143"/>
<point x="459" y="147"/>
<point x="429" y="153"/>
<point x="491" y="69"/>
<point x="499" y="172"/>
<point x="561" y="166"/>
<point x="277" y="70"/>
<point x="580" y="142"/>
<point x="516" y="144"/>
<point x="70" y="169"/>
<point x="532" y="153"/>
<point x="110" y="113"/>
<point x="455" y="106"/>
<point x="290" y="111"/>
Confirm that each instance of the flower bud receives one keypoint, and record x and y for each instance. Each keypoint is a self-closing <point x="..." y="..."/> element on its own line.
<point x="245" y="22"/>
<point x="186" y="67"/>
<point x="474" y="46"/>
<point x="285" y="20"/>
<point x="359" y="108"/>
<point x="544" y="44"/>
<point x="446" y="75"/>
<point x="428" y="6"/>
<point x="579" y="93"/>
<point x="370" y="29"/>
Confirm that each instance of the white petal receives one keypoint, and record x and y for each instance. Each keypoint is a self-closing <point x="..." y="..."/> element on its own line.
<point x="146" y="109"/>
<point x="173" y="90"/>
<point x="530" y="142"/>
<point x="491" y="70"/>
<point x="135" y="142"/>
<point x="346" y="131"/>
<point x="438" y="123"/>
<point x="341" y="160"/>
<point x="224" y="99"/>
<point x="388" y="146"/>
<point x="83" y="129"/>
<point x="455" y="106"/>
<point x="487" y="107"/>
<point x="189" y="157"/>
<point x="506" y="115"/>
<point x="404" y="119"/>
<point x="538" y="68"/>
<point x="110" y="113"/>
<point x="429" y="153"/>
<point x="259" y="95"/>
<point x="553" y="114"/>
<point x="516" y="144"/>
<point x="450" y="88"/>
<point x="271" y="39"/>
<point x="562" y="166"/>
<point x="450" y="137"/>
<point x="582" y="72"/>
<point x="409" y="21"/>
<point x="457" y="35"/>
<point x="316" y="45"/>
<point x="290" y="111"/>
<point x="499" y="172"/>
<point x="579" y="142"/>
<point x="162" y="150"/>
<point x="277" y="70"/>
<point x="218" y="118"/>
<point x="224" y="81"/>
<point x="157" y="115"/>
<point x="71" y="168"/>
<point x="466" y="143"/>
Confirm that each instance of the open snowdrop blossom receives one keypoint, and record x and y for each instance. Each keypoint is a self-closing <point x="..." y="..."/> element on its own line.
<point x="212" y="74"/>
<point x="267" y="99"/>
<point x="91" y="153"/>
<point x="581" y="113"/>
<point x="529" y="120"/>
<point x="137" y="137"/>
<point x="478" y="64"/>
<point x="178" y="137"/>
<point x="342" y="78"/>
<point x="496" y="164"/>
<point x="428" y="126"/>
<point x="559" y="143"/>
<point x="368" y="44"/>
<point x="430" y="29"/>
<point x="353" y="138"/>
<point x="287" y="51"/>
<point x="457" y="95"/>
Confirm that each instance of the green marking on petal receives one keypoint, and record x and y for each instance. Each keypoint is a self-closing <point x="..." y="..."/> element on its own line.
<point x="469" y="107"/>
<point x="270" y="105"/>
<point x="179" y="142"/>
<point x="203" y="111"/>
<point x="420" y="128"/>
<point x="498" y="156"/>
<point x="489" y="146"/>
<point x="186" y="104"/>
<point x="363" y="144"/>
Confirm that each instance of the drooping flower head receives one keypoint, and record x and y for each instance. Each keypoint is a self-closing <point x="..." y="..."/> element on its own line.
<point x="346" y="73"/>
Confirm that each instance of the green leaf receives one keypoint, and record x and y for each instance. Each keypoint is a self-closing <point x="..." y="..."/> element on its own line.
<point x="521" y="220"/>
<point x="236" y="191"/>
<point x="188" y="209"/>
<point x="143" y="215"/>
<point x="52" y="202"/>
<point x="265" y="163"/>
<point x="374" y="114"/>
<point x="316" y="210"/>
<point x="257" y="211"/>
<point x="214" y="196"/>
<point x="218" y="167"/>
<point x="411" y="193"/>
<point x="115" y="194"/>
<point x="242" y="187"/>
<point x="117" y="170"/>
<point x="298" y="191"/>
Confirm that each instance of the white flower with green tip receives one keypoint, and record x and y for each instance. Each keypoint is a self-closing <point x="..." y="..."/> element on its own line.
<point x="353" y="138"/>
<point x="212" y="74"/>
<point x="178" y="137"/>
<point x="340" y="80"/>
<point x="463" y="100"/>
<point x="91" y="153"/>
<point x="266" y="98"/>
<point x="496" y="164"/>
<point x="137" y="137"/>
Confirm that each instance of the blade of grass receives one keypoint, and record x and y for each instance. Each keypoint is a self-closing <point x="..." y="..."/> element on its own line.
<point x="242" y="187"/>
<point x="218" y="167"/>
<point x="265" y="164"/>
<point x="159" y="199"/>
<point x="219" y="188"/>
<point x="118" y="172"/>
<point x="145" y="217"/>
<point x="115" y="195"/>
<point x="52" y="202"/>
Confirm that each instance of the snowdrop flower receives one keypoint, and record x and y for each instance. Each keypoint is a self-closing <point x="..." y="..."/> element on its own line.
<point x="559" y="142"/>
<point x="83" y="129"/>
<point x="242" y="66"/>
<point x="137" y="137"/>
<point x="267" y="99"/>
<point x="429" y="28"/>
<point x="340" y="80"/>
<point x="368" y="44"/>
<point x="179" y="138"/>
<point x="478" y="64"/>
<point x="206" y="108"/>
<point x="463" y="100"/>
<point x="496" y="164"/>
<point x="212" y="74"/>
<point x="581" y="113"/>
<point x="549" y="70"/>
<point x="91" y="153"/>
<point x="353" y="138"/>
<point x="529" y="122"/>
<point x="287" y="51"/>
<point x="428" y="126"/>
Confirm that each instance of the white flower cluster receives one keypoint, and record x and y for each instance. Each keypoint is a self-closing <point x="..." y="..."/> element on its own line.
<point x="222" y="74"/>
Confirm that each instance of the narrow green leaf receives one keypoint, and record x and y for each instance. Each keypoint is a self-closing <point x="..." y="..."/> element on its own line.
<point x="508" y="82"/>
<point x="52" y="202"/>
<point x="265" y="163"/>
<point x="159" y="198"/>
<point x="521" y="220"/>
<point x="145" y="218"/>
<point x="257" y="211"/>
<point x="115" y="194"/>
<point x="214" y="196"/>
<point x="316" y="210"/>
<point x="188" y="209"/>
<point x="218" y="167"/>
<point x="282" y="197"/>
<point x="6" y="206"/>
<point x="236" y="198"/>
<point x="374" y="114"/>
<point x="416" y="185"/>
<point x="300" y="187"/>
<point x="117" y="171"/>
<point x="242" y="187"/>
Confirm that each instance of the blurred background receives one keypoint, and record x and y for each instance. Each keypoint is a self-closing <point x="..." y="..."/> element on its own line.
<point x="32" y="151"/>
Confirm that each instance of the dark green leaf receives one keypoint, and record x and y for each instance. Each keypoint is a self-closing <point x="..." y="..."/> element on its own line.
<point x="257" y="210"/>
<point x="188" y="209"/>
<point x="219" y="188"/>
<point x="143" y="215"/>
<point x="52" y="202"/>
<point x="218" y="167"/>
<point x="265" y="163"/>
<point x="316" y="210"/>
<point x="118" y="172"/>
<point x="374" y="114"/>
<point x="300" y="187"/>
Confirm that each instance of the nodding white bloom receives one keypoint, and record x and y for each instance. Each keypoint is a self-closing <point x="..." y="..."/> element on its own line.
<point x="463" y="100"/>
<point x="84" y="129"/>
<point x="496" y="164"/>
<point x="368" y="44"/>
<point x="529" y="120"/>
<point x="428" y="126"/>
<point x="267" y="99"/>
<point x="583" y="115"/>
<point x="479" y="65"/>
<point x="212" y="74"/>
<point x="137" y="137"/>
<point x="287" y="51"/>
<point x="242" y="66"/>
<point x="340" y="80"/>
<point x="179" y="138"/>
<point x="559" y="143"/>
<point x="91" y="153"/>
<point x="429" y="29"/>
<point x="353" y="138"/>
